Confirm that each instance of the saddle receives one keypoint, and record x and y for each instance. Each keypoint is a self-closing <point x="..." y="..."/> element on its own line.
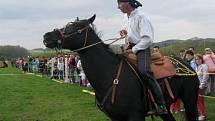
<point x="161" y="66"/>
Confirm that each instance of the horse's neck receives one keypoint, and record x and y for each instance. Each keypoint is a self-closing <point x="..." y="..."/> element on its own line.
<point x="100" y="67"/>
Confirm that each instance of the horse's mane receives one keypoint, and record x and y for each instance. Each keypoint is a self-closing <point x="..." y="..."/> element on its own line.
<point x="99" y="34"/>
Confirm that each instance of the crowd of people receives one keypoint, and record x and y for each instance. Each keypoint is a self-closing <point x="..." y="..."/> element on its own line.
<point x="63" y="67"/>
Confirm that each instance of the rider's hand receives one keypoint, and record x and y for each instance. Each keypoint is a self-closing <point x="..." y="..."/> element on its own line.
<point x="129" y="51"/>
<point x="123" y="33"/>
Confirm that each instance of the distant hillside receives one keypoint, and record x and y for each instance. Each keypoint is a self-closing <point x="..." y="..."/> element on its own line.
<point x="167" y="43"/>
<point x="37" y="49"/>
<point x="174" y="46"/>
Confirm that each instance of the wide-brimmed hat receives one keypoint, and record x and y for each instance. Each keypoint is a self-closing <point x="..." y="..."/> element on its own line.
<point x="133" y="3"/>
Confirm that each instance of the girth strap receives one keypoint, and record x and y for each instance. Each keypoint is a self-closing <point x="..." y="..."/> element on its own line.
<point x="168" y="88"/>
<point x="113" y="88"/>
<point x="116" y="82"/>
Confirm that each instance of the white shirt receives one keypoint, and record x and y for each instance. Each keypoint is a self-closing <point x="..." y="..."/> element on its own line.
<point x="82" y="74"/>
<point x="60" y="66"/>
<point x="202" y="72"/>
<point x="140" y="30"/>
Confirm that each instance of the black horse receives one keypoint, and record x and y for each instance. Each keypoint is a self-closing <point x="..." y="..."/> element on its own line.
<point x="102" y="66"/>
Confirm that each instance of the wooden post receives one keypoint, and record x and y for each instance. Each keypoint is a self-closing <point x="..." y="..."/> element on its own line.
<point x="52" y="66"/>
<point x="66" y="70"/>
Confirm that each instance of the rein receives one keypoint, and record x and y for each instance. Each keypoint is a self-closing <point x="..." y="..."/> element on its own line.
<point x="85" y="47"/>
<point x="63" y="36"/>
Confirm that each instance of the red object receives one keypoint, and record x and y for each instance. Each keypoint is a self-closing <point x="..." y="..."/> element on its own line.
<point x="176" y="106"/>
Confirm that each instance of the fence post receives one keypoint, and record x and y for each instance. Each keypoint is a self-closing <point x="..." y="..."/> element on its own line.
<point x="66" y="70"/>
<point x="52" y="66"/>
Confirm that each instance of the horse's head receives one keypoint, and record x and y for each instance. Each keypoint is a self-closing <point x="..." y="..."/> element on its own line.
<point x="72" y="36"/>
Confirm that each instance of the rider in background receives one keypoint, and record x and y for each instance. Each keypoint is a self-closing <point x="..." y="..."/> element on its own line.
<point x="140" y="35"/>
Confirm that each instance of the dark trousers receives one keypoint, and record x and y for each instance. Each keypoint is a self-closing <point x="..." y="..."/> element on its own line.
<point x="144" y="62"/>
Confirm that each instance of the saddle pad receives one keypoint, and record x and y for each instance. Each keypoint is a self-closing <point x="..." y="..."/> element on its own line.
<point x="163" y="70"/>
<point x="161" y="67"/>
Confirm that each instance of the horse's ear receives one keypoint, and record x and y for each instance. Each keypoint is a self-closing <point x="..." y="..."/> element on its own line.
<point x="90" y="20"/>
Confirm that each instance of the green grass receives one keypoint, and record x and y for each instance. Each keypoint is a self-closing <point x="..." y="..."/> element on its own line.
<point x="31" y="98"/>
<point x="27" y="97"/>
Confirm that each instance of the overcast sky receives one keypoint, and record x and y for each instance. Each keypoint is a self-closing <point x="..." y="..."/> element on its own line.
<point x="23" y="22"/>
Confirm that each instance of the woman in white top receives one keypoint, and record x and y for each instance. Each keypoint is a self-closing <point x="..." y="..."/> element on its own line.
<point x="202" y="72"/>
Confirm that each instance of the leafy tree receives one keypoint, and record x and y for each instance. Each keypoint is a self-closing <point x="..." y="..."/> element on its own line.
<point x="13" y="51"/>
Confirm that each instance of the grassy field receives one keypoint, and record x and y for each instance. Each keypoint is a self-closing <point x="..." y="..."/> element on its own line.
<point x="31" y="98"/>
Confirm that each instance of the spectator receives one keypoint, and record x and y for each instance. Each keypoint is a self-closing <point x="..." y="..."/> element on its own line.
<point x="42" y="64"/>
<point x="190" y="58"/>
<point x="83" y="81"/>
<point x="77" y="72"/>
<point x="202" y="72"/>
<point x="209" y="59"/>
<point x="156" y="49"/>
<point x="36" y="63"/>
<point x="72" y="68"/>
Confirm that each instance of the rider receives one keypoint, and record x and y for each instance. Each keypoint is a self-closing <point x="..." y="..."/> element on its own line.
<point x="140" y="35"/>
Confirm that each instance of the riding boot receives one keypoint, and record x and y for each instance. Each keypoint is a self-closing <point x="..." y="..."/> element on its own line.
<point x="144" y="62"/>
<point x="156" y="92"/>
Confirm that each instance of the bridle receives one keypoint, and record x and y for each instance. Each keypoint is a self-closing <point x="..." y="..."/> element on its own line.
<point x="79" y="31"/>
<point x="64" y="36"/>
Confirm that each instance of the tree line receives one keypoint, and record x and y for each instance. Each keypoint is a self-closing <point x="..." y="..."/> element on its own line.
<point x="8" y="52"/>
